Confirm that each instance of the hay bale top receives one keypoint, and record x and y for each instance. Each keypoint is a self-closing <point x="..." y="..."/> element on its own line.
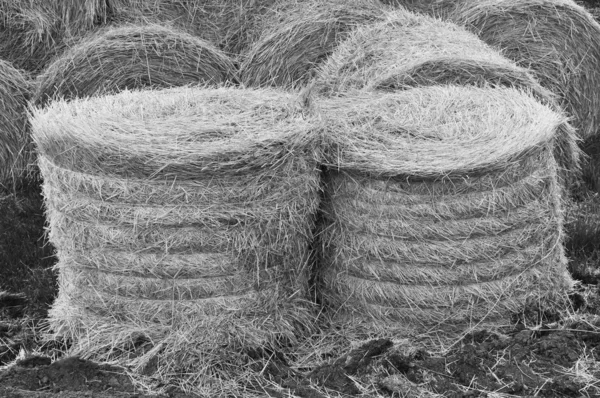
<point x="435" y="131"/>
<point x="132" y="57"/>
<point x="299" y="35"/>
<point x="180" y="133"/>
<point x="557" y="39"/>
<point x="407" y="50"/>
<point x="15" y="90"/>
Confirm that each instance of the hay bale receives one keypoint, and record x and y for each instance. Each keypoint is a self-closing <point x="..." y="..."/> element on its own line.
<point x="300" y="37"/>
<point x="33" y="32"/>
<point x="408" y="50"/>
<point x="441" y="206"/>
<point x="556" y="39"/>
<point x="181" y="217"/>
<point x="132" y="57"/>
<point x="15" y="151"/>
<point x="228" y="24"/>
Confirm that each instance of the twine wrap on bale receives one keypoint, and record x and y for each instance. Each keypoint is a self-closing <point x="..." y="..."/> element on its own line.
<point x="182" y="218"/>
<point x="409" y="50"/>
<point x="557" y="39"/>
<point x="15" y="151"/>
<point x="288" y="50"/>
<point x="132" y="57"/>
<point x="441" y="206"/>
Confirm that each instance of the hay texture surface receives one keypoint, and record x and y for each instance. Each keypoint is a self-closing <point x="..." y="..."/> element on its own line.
<point x="15" y="151"/>
<point x="131" y="57"/>
<point x="182" y="219"/>
<point x="408" y="50"/>
<point x="230" y="25"/>
<point x="33" y="32"/>
<point x="442" y="207"/>
<point x="300" y="37"/>
<point x="557" y="39"/>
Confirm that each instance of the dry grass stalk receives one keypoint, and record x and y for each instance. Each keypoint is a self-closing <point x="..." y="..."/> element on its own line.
<point x="462" y="250"/>
<point x="229" y="24"/>
<point x="15" y="142"/>
<point x="437" y="131"/>
<point x="301" y="36"/>
<point x="131" y="57"/>
<point x="556" y="39"/>
<point x="229" y="251"/>
<point x="407" y="50"/>
<point x="247" y="131"/>
<point x="33" y="32"/>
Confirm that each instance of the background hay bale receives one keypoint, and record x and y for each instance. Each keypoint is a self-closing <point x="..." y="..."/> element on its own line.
<point x="557" y="39"/>
<point x="228" y="24"/>
<point x="407" y="50"/>
<point x="15" y="151"/>
<point x="300" y="37"/>
<point x="421" y="230"/>
<point x="183" y="215"/>
<point x="33" y="32"/>
<point x="132" y="57"/>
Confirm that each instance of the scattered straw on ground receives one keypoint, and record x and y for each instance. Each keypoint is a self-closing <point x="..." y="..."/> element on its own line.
<point x="15" y="151"/>
<point x="133" y="57"/>
<point x="301" y="36"/>
<point x="182" y="220"/>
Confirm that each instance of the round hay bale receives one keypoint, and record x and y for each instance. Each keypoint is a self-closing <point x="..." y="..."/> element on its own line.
<point x="408" y="50"/>
<point x="15" y="143"/>
<point x="302" y="36"/>
<point x="180" y="215"/>
<point x="556" y="39"/>
<point x="132" y="57"/>
<point x="421" y="230"/>
<point x="228" y="24"/>
<point x="34" y="32"/>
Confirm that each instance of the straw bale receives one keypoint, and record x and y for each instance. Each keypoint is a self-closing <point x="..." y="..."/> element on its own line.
<point x="436" y="131"/>
<point x="15" y="143"/>
<point x="185" y="208"/>
<point x="31" y="32"/>
<point x="300" y="37"/>
<point x="246" y="132"/>
<point x="130" y="57"/>
<point x="410" y="240"/>
<point x="184" y="265"/>
<point x="556" y="39"/>
<point x="138" y="191"/>
<point x="229" y="24"/>
<point x="450" y="198"/>
<point x="407" y="50"/>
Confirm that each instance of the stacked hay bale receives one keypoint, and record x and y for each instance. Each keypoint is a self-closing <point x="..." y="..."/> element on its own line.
<point x="408" y="50"/>
<point x="300" y="36"/>
<point x="15" y="151"/>
<point x="182" y="220"/>
<point x="132" y="57"/>
<point x="442" y="207"/>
